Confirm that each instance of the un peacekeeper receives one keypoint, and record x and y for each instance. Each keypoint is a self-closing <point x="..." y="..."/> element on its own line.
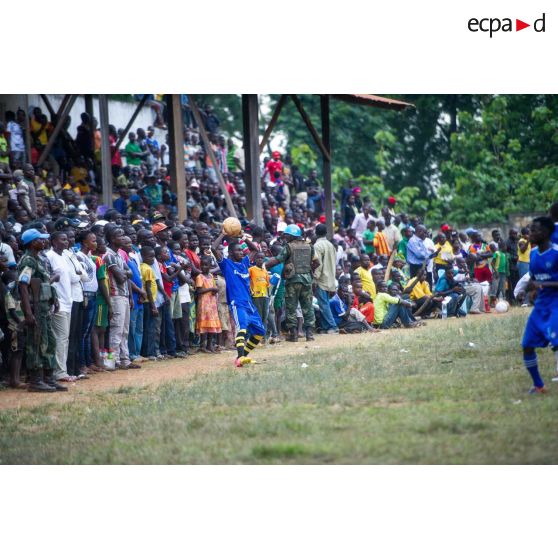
<point x="37" y="299"/>
<point x="300" y="261"/>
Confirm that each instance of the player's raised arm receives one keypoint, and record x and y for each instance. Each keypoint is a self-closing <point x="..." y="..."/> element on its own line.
<point x="216" y="245"/>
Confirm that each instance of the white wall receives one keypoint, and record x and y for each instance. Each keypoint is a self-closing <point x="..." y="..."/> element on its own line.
<point x="119" y="112"/>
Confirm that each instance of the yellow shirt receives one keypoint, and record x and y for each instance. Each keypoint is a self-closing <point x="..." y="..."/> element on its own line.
<point x="524" y="257"/>
<point x="146" y="276"/>
<point x="445" y="255"/>
<point x="259" y="281"/>
<point x="49" y="192"/>
<point x="422" y="288"/>
<point x="367" y="281"/>
<point x="381" y="306"/>
<point x="43" y="136"/>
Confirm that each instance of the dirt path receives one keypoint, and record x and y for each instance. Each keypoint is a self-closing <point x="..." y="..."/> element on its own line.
<point x="154" y="373"/>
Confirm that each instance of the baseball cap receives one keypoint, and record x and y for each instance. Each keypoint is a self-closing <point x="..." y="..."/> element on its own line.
<point x="32" y="234"/>
<point x="158" y="227"/>
<point x="281" y="226"/>
<point x="64" y="223"/>
<point x="157" y="216"/>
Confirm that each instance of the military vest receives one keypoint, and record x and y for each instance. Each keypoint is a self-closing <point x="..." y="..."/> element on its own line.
<point x="300" y="257"/>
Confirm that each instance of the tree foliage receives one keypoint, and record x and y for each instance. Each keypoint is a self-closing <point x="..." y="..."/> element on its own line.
<point x="463" y="158"/>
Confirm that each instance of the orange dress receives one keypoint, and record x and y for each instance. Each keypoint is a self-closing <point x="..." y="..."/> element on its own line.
<point x="207" y="315"/>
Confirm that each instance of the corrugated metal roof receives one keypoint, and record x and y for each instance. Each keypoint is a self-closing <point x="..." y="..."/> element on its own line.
<point x="373" y="101"/>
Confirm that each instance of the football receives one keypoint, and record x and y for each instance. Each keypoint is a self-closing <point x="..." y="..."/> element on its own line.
<point x="502" y="306"/>
<point x="232" y="226"/>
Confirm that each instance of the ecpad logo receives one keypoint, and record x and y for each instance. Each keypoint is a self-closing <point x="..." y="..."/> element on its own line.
<point x="493" y="25"/>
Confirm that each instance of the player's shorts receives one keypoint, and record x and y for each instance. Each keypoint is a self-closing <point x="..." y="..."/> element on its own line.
<point x="541" y="328"/>
<point x="247" y="318"/>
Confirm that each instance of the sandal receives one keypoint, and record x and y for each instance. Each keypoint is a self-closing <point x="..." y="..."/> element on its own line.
<point x="67" y="379"/>
<point x="133" y="366"/>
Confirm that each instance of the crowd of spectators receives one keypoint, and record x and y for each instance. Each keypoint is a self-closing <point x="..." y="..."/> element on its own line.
<point x="129" y="283"/>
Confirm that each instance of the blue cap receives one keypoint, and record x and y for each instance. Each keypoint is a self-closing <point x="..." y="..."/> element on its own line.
<point x="32" y="234"/>
<point x="293" y="230"/>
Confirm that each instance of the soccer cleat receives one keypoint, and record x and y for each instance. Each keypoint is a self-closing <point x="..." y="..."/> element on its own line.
<point x="555" y="378"/>
<point x="534" y="390"/>
<point x="238" y="362"/>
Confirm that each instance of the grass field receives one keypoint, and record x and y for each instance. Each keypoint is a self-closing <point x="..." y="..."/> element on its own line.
<point x="422" y="396"/>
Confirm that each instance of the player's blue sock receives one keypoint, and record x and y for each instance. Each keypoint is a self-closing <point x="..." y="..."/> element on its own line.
<point x="532" y="366"/>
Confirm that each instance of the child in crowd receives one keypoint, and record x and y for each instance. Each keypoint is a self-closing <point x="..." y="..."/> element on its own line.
<point x="150" y="310"/>
<point x="168" y="275"/>
<point x="225" y="342"/>
<point x="207" y="323"/>
<point x="259" y="285"/>
<point x="104" y="306"/>
<point x="500" y="265"/>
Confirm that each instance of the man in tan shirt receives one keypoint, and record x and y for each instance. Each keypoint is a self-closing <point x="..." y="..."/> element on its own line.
<point x="324" y="277"/>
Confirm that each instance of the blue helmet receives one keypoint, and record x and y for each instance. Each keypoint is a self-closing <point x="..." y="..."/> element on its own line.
<point x="293" y="230"/>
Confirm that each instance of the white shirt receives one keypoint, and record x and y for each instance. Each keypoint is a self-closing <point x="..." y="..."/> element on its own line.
<point x="16" y="136"/>
<point x="430" y="247"/>
<point x="183" y="290"/>
<point x="359" y="224"/>
<point x="90" y="283"/>
<point x="6" y="250"/>
<point x="76" y="279"/>
<point x="61" y="265"/>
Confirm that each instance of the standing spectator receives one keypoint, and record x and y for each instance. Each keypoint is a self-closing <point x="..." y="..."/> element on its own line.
<point x="417" y="253"/>
<point x="368" y="237"/>
<point x="523" y="252"/>
<point x="211" y="121"/>
<point x="153" y="146"/>
<point x="135" y="333"/>
<point x="116" y="158"/>
<point x="64" y="271"/>
<point x="391" y="231"/>
<point x="511" y="249"/>
<point x="88" y="245"/>
<point x="147" y="154"/>
<point x="168" y="274"/>
<point x="134" y="153"/>
<point x="406" y="233"/>
<point x="37" y="298"/>
<point x="324" y="277"/>
<point x="259" y="286"/>
<point x="17" y="141"/>
<point x="4" y="147"/>
<point x="360" y="222"/>
<point x="118" y="275"/>
<point x="481" y="254"/>
<point x="207" y="319"/>
<point x="76" y="317"/>
<point x="500" y="265"/>
<point x="84" y="137"/>
<point x="381" y="246"/>
<point x="150" y="341"/>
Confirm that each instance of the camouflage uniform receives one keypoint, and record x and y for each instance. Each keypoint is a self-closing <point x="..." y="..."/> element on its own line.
<point x="297" y="256"/>
<point x="40" y="344"/>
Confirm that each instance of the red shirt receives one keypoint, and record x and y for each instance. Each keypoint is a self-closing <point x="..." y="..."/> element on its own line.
<point x="272" y="167"/>
<point x="167" y="285"/>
